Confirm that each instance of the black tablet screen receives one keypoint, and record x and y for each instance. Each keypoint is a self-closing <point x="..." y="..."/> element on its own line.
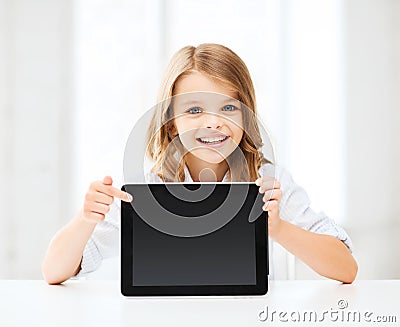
<point x="226" y="256"/>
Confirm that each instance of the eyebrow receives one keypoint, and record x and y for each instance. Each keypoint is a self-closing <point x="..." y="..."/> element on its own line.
<point x="196" y="102"/>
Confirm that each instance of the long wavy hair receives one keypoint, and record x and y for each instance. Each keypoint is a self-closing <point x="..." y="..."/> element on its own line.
<point x="224" y="66"/>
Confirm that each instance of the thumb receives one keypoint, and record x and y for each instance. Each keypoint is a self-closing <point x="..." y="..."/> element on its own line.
<point x="107" y="180"/>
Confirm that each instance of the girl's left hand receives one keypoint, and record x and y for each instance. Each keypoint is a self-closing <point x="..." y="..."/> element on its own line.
<point x="270" y="187"/>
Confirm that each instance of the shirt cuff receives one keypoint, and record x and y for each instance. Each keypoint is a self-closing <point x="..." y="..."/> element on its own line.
<point x="326" y="225"/>
<point x="91" y="258"/>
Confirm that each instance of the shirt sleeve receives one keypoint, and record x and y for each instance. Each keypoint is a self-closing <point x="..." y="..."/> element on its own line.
<point x="104" y="241"/>
<point x="295" y="207"/>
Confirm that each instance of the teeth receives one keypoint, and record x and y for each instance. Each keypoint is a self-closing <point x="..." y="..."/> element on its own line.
<point x="213" y="139"/>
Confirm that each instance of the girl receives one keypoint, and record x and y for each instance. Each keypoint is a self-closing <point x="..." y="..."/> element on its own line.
<point x="93" y="234"/>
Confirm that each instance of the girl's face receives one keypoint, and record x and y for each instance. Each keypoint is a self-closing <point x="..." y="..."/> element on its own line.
<point x="208" y="117"/>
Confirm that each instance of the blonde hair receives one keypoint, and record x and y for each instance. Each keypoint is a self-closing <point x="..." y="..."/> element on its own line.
<point x="223" y="65"/>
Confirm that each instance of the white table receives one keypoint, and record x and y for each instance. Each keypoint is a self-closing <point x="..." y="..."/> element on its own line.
<point x="100" y="303"/>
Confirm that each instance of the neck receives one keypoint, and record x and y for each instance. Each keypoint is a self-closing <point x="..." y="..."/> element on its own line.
<point x="203" y="171"/>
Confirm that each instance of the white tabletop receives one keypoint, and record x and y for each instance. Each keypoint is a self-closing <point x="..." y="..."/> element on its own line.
<point x="100" y="303"/>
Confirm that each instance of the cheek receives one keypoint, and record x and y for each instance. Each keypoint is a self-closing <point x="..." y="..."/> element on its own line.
<point x="182" y="124"/>
<point x="238" y="134"/>
<point x="186" y="130"/>
<point x="236" y="127"/>
<point x="237" y="120"/>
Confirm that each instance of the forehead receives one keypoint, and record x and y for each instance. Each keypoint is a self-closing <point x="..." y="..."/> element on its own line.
<point x="199" y="82"/>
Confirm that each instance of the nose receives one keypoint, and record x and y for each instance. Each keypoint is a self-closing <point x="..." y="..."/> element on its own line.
<point x="212" y="121"/>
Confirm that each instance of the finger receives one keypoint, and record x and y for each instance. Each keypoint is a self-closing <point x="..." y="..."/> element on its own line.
<point x="113" y="191"/>
<point x="103" y="198"/>
<point x="265" y="181"/>
<point x="266" y="185"/>
<point x="275" y="194"/>
<point x="99" y="208"/>
<point x="269" y="184"/>
<point x="97" y="196"/>
<point x="271" y="205"/>
<point x="107" y="180"/>
<point x="124" y="196"/>
<point x="94" y="217"/>
<point x="269" y="181"/>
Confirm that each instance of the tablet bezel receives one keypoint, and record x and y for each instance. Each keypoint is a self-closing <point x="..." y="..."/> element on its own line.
<point x="128" y="289"/>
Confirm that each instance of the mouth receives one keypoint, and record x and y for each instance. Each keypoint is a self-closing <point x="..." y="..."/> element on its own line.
<point x="213" y="141"/>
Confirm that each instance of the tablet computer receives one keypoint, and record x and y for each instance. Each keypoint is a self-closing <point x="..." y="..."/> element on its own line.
<point x="194" y="239"/>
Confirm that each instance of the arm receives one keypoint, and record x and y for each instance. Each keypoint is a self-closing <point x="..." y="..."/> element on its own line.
<point x="325" y="254"/>
<point x="64" y="255"/>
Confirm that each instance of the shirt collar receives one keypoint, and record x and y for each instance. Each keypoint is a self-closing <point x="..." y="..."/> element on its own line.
<point x="188" y="177"/>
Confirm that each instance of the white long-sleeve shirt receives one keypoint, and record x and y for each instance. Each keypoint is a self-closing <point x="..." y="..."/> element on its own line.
<point x="294" y="207"/>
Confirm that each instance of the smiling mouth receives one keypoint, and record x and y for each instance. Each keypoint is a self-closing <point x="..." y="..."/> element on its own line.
<point x="212" y="140"/>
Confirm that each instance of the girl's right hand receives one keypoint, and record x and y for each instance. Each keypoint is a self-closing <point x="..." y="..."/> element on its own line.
<point x="98" y="199"/>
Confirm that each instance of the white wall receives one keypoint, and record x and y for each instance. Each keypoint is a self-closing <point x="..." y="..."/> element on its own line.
<point x="371" y="36"/>
<point x="118" y="63"/>
<point x="66" y="65"/>
<point x="312" y="132"/>
<point x="373" y="143"/>
<point x="36" y="140"/>
<point x="3" y="130"/>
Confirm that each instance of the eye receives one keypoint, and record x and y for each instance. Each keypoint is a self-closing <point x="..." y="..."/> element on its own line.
<point x="229" y="107"/>
<point x="194" y="110"/>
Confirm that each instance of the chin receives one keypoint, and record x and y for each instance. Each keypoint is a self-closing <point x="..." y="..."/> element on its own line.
<point x="213" y="157"/>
